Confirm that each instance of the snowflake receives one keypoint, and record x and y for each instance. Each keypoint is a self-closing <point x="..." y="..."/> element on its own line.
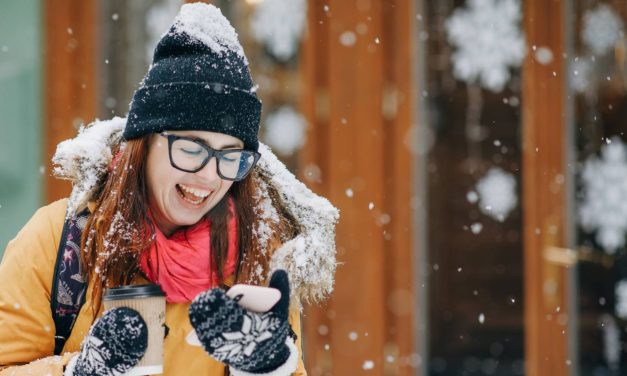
<point x="604" y="186"/>
<point x="497" y="193"/>
<point x="279" y="24"/>
<point x="602" y="28"/>
<point x="234" y="346"/>
<point x="488" y="40"/>
<point x="620" y="291"/>
<point x="285" y="130"/>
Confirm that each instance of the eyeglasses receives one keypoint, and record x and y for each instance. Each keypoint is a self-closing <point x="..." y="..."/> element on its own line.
<point x="190" y="155"/>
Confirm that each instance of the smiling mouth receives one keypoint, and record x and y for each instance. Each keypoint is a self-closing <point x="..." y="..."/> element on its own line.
<point x="193" y="196"/>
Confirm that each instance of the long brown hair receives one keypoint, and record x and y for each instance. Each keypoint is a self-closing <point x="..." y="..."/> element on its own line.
<point x="119" y="230"/>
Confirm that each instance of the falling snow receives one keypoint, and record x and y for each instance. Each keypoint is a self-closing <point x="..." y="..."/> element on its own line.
<point x="544" y="55"/>
<point x="476" y="228"/>
<point x="348" y="38"/>
<point x="285" y="130"/>
<point x="497" y="193"/>
<point x="368" y="364"/>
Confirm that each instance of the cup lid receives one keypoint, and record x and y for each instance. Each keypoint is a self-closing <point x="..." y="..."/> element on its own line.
<point x="132" y="292"/>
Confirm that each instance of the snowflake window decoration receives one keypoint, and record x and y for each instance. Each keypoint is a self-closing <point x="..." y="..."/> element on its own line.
<point x="285" y="130"/>
<point x="279" y="25"/>
<point x="158" y="19"/>
<point x="581" y="74"/>
<point x="488" y="41"/>
<point x="602" y="29"/>
<point x="621" y="299"/>
<point x="496" y="193"/>
<point x="611" y="341"/>
<point x="604" y="187"/>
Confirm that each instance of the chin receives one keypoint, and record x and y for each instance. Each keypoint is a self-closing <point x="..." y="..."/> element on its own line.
<point x="188" y="221"/>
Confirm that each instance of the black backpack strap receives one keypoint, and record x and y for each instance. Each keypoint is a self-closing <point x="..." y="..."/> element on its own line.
<point x="68" y="285"/>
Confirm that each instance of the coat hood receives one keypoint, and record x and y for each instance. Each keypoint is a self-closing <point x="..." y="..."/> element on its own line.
<point x="309" y="258"/>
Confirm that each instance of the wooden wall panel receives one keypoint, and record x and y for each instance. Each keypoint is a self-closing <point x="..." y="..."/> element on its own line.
<point x="315" y="163"/>
<point x="357" y="72"/>
<point x="70" y="82"/>
<point x="356" y="149"/>
<point x="544" y="156"/>
<point x="398" y="110"/>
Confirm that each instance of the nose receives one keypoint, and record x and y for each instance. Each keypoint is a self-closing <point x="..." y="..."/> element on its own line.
<point x="209" y="173"/>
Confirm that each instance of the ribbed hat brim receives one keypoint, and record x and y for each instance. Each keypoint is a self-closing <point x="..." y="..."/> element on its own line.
<point x="199" y="106"/>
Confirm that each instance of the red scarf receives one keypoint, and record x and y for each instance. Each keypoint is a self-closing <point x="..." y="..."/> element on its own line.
<point x="181" y="264"/>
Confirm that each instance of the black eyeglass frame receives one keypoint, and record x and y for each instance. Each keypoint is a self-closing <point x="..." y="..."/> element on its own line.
<point x="212" y="153"/>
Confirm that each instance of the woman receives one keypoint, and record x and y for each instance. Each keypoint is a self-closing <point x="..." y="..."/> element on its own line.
<point x="179" y="194"/>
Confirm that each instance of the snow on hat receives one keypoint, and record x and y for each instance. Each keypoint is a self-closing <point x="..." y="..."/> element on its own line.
<point x="199" y="80"/>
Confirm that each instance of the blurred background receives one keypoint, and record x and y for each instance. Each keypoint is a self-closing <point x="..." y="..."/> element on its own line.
<point x="475" y="148"/>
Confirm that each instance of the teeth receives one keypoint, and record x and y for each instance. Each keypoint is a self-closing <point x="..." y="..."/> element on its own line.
<point x="195" y="202"/>
<point x="196" y="192"/>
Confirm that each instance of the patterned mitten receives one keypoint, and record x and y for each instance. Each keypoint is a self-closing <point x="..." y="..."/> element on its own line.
<point x="114" y="344"/>
<point x="248" y="342"/>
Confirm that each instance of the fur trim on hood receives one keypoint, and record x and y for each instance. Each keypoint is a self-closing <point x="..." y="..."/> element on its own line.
<point x="309" y="258"/>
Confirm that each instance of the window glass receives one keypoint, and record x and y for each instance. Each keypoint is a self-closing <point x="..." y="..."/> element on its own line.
<point x="472" y="107"/>
<point x="597" y="88"/>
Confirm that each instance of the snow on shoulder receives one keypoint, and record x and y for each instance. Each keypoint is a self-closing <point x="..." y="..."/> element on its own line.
<point x="309" y="258"/>
<point x="84" y="159"/>
<point x="206" y="23"/>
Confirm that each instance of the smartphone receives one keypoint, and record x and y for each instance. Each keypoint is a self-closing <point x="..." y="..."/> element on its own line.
<point x="254" y="298"/>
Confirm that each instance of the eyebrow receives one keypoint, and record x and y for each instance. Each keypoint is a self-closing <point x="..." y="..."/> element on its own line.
<point x="200" y="139"/>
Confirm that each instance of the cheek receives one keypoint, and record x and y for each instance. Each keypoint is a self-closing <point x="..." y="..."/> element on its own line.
<point x="224" y="188"/>
<point x="160" y="177"/>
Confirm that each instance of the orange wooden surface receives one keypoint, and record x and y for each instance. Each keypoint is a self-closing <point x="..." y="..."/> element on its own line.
<point x="360" y="105"/>
<point x="544" y="156"/>
<point x="398" y="44"/>
<point x="70" y="82"/>
<point x="316" y="322"/>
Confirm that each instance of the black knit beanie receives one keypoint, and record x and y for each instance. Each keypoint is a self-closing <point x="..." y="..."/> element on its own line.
<point x="199" y="80"/>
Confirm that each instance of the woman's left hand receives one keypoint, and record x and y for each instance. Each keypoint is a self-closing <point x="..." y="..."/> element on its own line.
<point x="250" y="343"/>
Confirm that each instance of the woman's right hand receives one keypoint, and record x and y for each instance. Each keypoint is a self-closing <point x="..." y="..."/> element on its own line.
<point x="115" y="343"/>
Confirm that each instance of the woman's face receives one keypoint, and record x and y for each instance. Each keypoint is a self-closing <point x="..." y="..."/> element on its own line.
<point x="179" y="198"/>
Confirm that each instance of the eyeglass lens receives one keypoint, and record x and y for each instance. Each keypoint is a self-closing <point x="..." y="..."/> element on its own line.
<point x="190" y="156"/>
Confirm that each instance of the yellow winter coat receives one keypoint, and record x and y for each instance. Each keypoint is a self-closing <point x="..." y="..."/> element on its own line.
<point x="26" y="272"/>
<point x="26" y="324"/>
